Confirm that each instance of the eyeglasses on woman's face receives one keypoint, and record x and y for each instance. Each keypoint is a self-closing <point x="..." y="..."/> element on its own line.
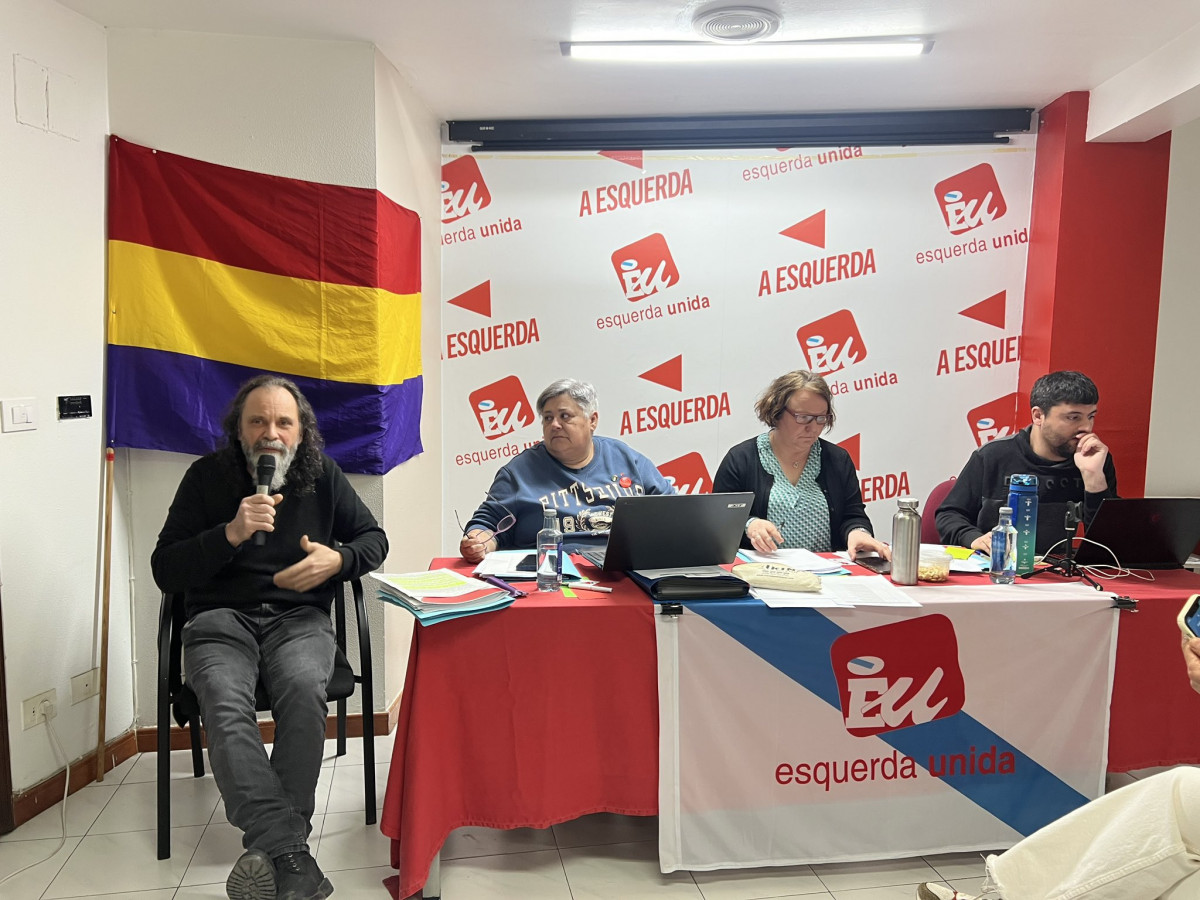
<point x="806" y="419"/>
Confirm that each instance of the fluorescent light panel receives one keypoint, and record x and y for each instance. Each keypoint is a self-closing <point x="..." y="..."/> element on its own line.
<point x="702" y="51"/>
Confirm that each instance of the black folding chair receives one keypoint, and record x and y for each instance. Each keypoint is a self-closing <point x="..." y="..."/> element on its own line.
<point x="177" y="699"/>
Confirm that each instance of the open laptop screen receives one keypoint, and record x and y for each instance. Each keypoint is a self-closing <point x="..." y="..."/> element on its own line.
<point x="1143" y="532"/>
<point x="661" y="531"/>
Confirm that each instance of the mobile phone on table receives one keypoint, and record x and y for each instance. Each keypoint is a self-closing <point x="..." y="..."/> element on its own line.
<point x="528" y="564"/>
<point x="1189" y="617"/>
<point x="876" y="564"/>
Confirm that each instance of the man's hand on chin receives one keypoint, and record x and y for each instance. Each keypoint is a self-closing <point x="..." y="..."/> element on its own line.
<point x="319" y="565"/>
<point x="1090" y="455"/>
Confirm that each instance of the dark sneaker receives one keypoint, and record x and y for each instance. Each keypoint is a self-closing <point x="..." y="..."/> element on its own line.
<point x="298" y="878"/>
<point x="252" y="877"/>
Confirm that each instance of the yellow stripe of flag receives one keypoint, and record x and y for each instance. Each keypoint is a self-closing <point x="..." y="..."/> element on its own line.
<point x="184" y="304"/>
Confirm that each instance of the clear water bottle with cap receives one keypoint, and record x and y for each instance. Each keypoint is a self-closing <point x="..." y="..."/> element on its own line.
<point x="549" y="553"/>
<point x="906" y="541"/>
<point x="1004" y="549"/>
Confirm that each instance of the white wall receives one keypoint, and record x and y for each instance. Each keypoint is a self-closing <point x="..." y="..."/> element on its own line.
<point x="302" y="109"/>
<point x="408" y="166"/>
<point x="52" y="327"/>
<point x="1172" y="464"/>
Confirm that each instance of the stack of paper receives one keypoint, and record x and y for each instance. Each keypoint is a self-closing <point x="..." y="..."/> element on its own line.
<point x="441" y="594"/>
<point x="797" y="558"/>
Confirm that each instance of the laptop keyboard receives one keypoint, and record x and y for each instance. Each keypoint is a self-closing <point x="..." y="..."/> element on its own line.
<point x="595" y="556"/>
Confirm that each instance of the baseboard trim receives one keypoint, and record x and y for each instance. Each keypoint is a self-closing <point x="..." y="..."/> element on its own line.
<point x="45" y="794"/>
<point x="42" y="796"/>
<point x="384" y="722"/>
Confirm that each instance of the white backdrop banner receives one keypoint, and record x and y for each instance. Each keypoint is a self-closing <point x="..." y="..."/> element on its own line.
<point x="793" y="736"/>
<point x="681" y="284"/>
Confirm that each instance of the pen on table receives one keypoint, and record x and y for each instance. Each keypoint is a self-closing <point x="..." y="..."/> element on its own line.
<point x="504" y="585"/>
<point x="591" y="586"/>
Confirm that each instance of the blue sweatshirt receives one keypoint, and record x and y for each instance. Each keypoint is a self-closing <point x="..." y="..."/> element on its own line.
<point x="583" y="498"/>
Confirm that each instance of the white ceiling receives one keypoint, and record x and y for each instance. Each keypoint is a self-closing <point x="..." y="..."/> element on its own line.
<point x="494" y="59"/>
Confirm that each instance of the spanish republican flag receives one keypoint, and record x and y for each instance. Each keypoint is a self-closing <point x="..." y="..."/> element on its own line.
<point x="216" y="274"/>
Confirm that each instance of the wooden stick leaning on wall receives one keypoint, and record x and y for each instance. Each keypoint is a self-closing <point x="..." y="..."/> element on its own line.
<point x="104" y="593"/>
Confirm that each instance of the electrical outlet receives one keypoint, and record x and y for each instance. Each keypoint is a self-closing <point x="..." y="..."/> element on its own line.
<point x="31" y="709"/>
<point x="84" y="685"/>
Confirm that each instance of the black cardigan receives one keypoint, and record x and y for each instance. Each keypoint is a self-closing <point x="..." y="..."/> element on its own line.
<point x="740" y="470"/>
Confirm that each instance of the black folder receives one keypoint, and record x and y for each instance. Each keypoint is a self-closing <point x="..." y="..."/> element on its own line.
<point x="675" y="588"/>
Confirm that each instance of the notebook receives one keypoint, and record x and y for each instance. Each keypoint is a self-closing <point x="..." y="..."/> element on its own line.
<point x="1144" y="533"/>
<point x="666" y="531"/>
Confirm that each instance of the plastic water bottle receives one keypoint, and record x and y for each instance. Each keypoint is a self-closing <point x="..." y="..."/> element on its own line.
<point x="1023" y="501"/>
<point x="549" y="553"/>
<point x="1004" y="549"/>
<point x="906" y="541"/>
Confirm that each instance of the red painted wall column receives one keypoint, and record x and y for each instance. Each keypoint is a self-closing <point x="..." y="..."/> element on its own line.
<point x="1095" y="265"/>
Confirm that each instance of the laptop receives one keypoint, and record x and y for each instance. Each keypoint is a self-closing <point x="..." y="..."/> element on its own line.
<point x="667" y="531"/>
<point x="1144" y="533"/>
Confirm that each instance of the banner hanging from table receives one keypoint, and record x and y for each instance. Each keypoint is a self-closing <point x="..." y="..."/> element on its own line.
<point x="793" y="736"/>
<point x="216" y="274"/>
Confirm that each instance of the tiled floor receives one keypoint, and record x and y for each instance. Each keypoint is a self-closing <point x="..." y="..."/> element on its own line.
<point x="110" y="851"/>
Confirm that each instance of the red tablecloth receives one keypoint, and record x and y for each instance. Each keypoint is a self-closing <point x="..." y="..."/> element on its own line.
<point x="1155" y="714"/>
<point x="533" y="715"/>
<point x="548" y="711"/>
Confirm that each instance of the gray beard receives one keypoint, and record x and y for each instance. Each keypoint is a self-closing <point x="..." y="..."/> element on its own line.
<point x="283" y="461"/>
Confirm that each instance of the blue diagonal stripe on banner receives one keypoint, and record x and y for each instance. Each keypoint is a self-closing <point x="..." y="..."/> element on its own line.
<point x="797" y="643"/>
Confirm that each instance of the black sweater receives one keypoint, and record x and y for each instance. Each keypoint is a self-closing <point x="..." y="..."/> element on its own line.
<point x="973" y="505"/>
<point x="740" y="470"/>
<point x="194" y="556"/>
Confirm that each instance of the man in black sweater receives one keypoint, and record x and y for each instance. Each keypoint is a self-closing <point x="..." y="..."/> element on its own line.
<point x="1071" y="464"/>
<point x="262" y="612"/>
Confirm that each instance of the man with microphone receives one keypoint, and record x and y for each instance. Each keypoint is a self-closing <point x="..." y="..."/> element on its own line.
<point x="257" y="538"/>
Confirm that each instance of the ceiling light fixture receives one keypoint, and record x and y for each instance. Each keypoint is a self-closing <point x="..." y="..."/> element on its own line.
<point x="701" y="51"/>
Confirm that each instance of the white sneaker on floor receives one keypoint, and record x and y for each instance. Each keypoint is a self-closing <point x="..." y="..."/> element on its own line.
<point x="932" y="891"/>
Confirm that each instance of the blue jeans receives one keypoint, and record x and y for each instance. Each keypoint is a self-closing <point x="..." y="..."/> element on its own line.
<point x="225" y="652"/>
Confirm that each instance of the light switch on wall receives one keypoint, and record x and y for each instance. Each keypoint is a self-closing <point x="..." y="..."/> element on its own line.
<point x="18" y="414"/>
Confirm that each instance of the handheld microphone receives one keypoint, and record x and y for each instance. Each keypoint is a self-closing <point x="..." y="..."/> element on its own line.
<point x="265" y="472"/>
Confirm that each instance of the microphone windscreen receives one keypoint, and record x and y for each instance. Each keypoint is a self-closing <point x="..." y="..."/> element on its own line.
<point x="266" y="469"/>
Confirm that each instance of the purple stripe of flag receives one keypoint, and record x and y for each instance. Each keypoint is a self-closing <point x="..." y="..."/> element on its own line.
<point x="159" y="400"/>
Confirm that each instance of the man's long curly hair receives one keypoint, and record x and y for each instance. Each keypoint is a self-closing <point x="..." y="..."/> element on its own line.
<point x="306" y="468"/>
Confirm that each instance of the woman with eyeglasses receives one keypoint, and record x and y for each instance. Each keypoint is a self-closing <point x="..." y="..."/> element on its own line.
<point x="806" y="491"/>
<point x="572" y="471"/>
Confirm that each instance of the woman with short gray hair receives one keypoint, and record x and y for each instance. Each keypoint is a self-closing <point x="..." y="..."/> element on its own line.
<point x="573" y="472"/>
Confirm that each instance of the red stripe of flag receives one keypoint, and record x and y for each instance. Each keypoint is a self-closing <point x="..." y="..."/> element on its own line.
<point x="267" y="223"/>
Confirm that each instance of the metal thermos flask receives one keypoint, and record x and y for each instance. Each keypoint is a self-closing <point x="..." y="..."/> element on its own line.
<point x="906" y="541"/>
